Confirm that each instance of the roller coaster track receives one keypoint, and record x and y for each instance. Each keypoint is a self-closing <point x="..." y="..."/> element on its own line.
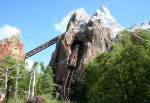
<point x="41" y="47"/>
<point x="66" y="87"/>
<point x="69" y="78"/>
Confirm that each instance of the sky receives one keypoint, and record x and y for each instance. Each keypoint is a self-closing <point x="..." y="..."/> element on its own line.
<point x="37" y="19"/>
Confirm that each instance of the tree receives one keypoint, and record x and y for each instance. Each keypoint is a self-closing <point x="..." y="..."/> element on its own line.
<point x="120" y="76"/>
<point x="6" y="67"/>
<point x="13" y="72"/>
<point x="32" y="81"/>
<point x="45" y="82"/>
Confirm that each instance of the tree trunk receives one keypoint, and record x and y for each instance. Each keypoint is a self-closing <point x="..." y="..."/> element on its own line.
<point x="16" y="86"/>
<point x="33" y="86"/>
<point x="6" y="79"/>
<point x="29" y="89"/>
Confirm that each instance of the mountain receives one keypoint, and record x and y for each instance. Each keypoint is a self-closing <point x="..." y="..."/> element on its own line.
<point x="84" y="37"/>
<point x="10" y="43"/>
<point x="94" y="33"/>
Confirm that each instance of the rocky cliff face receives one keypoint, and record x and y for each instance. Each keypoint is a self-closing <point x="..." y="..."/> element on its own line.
<point x="84" y="38"/>
<point x="94" y="39"/>
<point x="11" y="44"/>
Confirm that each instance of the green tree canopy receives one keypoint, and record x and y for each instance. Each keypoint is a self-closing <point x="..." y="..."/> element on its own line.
<point x="120" y="76"/>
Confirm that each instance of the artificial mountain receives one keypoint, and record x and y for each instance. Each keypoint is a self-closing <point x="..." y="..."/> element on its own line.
<point x="85" y="37"/>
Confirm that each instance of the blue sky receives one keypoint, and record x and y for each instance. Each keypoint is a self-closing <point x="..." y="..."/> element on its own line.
<point x="36" y="18"/>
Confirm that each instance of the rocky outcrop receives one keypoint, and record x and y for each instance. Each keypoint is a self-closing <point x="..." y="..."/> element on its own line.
<point x="81" y="42"/>
<point x="84" y="38"/>
<point x="12" y="46"/>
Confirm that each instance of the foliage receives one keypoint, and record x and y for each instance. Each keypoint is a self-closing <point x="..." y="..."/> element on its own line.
<point x="120" y="76"/>
<point x="45" y="82"/>
<point x="49" y="99"/>
<point x="7" y="67"/>
<point x="19" y="100"/>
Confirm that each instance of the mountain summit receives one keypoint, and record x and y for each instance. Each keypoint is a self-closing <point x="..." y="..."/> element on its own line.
<point x="108" y="20"/>
<point x="80" y="18"/>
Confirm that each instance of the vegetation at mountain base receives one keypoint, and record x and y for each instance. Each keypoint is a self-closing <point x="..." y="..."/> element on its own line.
<point x="122" y="75"/>
<point x="18" y="83"/>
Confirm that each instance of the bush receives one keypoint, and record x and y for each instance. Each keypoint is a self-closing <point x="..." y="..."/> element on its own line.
<point x="120" y="76"/>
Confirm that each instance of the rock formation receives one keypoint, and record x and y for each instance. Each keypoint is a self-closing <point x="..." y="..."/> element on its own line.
<point x="95" y="39"/>
<point x="84" y="38"/>
<point x="11" y="45"/>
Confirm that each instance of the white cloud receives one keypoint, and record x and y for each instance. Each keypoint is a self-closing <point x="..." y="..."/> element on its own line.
<point x="62" y="25"/>
<point x="8" y="31"/>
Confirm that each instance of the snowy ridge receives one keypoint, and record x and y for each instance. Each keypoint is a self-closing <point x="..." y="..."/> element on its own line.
<point x="108" y="21"/>
<point x="144" y="25"/>
<point x="80" y="18"/>
<point x="62" y="25"/>
<point x="104" y="13"/>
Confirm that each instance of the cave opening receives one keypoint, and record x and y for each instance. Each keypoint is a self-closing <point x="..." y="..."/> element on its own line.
<point x="74" y="63"/>
<point x="76" y="52"/>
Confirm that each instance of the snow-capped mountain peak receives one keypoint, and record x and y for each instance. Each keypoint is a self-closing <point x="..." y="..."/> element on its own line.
<point x="108" y="20"/>
<point x="105" y="10"/>
<point x="79" y="14"/>
<point x="80" y="18"/>
<point x="104" y="14"/>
